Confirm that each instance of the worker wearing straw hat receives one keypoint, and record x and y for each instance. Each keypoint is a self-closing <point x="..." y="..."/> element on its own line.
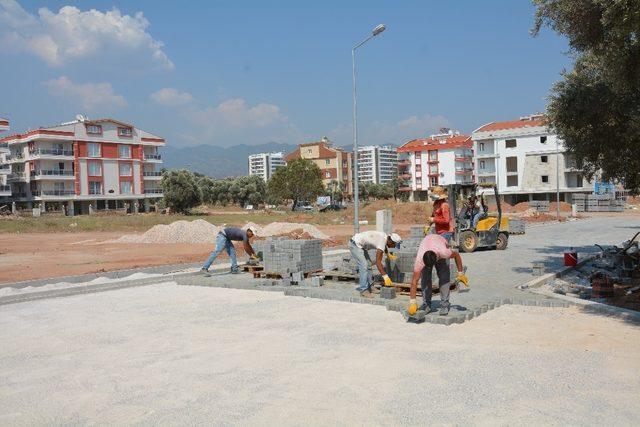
<point x="441" y="216"/>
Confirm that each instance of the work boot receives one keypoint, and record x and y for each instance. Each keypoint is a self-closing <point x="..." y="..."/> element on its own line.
<point x="444" y="308"/>
<point x="425" y="307"/>
<point x="234" y="270"/>
<point x="366" y="294"/>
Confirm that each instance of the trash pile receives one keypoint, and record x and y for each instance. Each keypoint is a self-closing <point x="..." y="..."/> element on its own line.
<point x="614" y="272"/>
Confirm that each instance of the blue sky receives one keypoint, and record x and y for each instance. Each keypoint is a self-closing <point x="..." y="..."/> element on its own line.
<point x="231" y="72"/>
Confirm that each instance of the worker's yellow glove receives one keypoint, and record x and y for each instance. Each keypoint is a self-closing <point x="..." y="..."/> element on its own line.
<point x="462" y="278"/>
<point x="392" y="257"/>
<point x="426" y="229"/>
<point x="413" y="307"/>
<point x="255" y="257"/>
<point x="387" y="280"/>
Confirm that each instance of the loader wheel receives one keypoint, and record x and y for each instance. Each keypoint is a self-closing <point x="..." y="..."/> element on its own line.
<point x="468" y="241"/>
<point x="501" y="241"/>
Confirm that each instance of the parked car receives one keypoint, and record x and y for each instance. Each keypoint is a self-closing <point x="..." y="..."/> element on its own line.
<point x="303" y="207"/>
<point x="332" y="207"/>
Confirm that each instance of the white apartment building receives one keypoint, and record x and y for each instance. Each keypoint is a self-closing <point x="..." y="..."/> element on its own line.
<point x="265" y="164"/>
<point x="105" y="164"/>
<point x="441" y="159"/>
<point x="5" y="169"/>
<point x="521" y="157"/>
<point x="377" y="164"/>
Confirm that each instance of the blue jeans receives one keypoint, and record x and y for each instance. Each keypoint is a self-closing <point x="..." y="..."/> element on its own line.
<point x="477" y="217"/>
<point x="364" y="273"/>
<point x="222" y="243"/>
<point x="448" y="236"/>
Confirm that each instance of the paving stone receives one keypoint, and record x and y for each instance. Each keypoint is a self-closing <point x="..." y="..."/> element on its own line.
<point x="387" y="292"/>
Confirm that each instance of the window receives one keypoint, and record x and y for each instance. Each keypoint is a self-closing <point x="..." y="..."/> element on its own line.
<point x="481" y="146"/>
<point x="481" y="164"/>
<point x="125" y="132"/>
<point x="543" y="140"/>
<point x="512" y="164"/>
<point x="327" y="174"/>
<point x="95" y="169"/>
<point x="545" y="179"/>
<point x="125" y="169"/>
<point x="511" y="143"/>
<point x="433" y="155"/>
<point x="61" y="166"/>
<point x="433" y="181"/>
<point x="327" y="162"/>
<point x="94" y="129"/>
<point x="544" y="159"/>
<point x="308" y="150"/>
<point x="58" y="186"/>
<point x="95" y="187"/>
<point x="124" y="151"/>
<point x="433" y="168"/>
<point x="125" y="187"/>
<point x="579" y="181"/>
<point x="512" y="181"/>
<point x="93" y="149"/>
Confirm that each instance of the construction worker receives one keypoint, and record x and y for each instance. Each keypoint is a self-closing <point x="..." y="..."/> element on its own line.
<point x="359" y="246"/>
<point x="434" y="251"/>
<point x="441" y="217"/>
<point x="225" y="240"/>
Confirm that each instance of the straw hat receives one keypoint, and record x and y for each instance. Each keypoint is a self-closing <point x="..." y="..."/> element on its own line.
<point x="438" y="193"/>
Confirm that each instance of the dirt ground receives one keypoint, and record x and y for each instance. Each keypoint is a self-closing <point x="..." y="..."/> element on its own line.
<point x="27" y="256"/>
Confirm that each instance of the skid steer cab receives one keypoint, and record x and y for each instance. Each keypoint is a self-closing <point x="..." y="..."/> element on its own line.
<point x="492" y="231"/>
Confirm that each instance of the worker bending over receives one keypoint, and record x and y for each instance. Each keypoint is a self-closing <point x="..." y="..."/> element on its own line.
<point x="441" y="218"/>
<point x="225" y="240"/>
<point x="434" y="251"/>
<point x="359" y="245"/>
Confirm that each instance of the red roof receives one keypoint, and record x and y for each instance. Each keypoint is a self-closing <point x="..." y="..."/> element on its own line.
<point x="433" y="143"/>
<point x="325" y="151"/>
<point x="513" y="124"/>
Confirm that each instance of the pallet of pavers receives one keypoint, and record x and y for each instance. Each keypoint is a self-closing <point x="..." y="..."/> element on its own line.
<point x="284" y="257"/>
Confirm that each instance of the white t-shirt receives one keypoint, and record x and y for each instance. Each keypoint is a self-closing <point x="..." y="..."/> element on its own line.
<point x="371" y="240"/>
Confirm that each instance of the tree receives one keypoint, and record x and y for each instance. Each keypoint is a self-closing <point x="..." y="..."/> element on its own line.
<point x="595" y="108"/>
<point x="300" y="180"/>
<point x="181" y="190"/>
<point x="248" y="190"/>
<point x="335" y="189"/>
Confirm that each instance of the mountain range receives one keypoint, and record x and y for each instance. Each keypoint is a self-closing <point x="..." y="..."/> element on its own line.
<point x="218" y="162"/>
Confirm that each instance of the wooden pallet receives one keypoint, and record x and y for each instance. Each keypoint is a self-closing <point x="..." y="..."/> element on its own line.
<point x="339" y="276"/>
<point x="252" y="268"/>
<point x="271" y="275"/>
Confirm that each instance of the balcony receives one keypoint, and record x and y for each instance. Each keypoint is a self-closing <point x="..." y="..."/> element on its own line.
<point x="52" y="174"/>
<point x="17" y="176"/>
<point x="53" y="193"/>
<point x="5" y="190"/>
<point x="152" y="157"/>
<point x="464" y="159"/>
<point x="5" y="169"/>
<point x="152" y="175"/>
<point x="404" y="188"/>
<point x="15" y="157"/>
<point x="45" y="152"/>
<point x="153" y="191"/>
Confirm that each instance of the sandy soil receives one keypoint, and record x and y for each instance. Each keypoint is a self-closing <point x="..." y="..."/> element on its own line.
<point x="42" y="255"/>
<point x="176" y="355"/>
<point x="37" y="256"/>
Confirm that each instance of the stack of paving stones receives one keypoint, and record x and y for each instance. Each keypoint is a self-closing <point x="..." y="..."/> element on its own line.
<point x="516" y="226"/>
<point x="540" y="205"/>
<point x="597" y="203"/>
<point x="286" y="256"/>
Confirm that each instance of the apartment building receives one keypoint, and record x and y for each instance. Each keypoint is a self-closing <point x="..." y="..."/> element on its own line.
<point x="441" y="159"/>
<point x="5" y="169"/>
<point x="377" y="164"/>
<point x="334" y="163"/>
<point x="522" y="157"/>
<point x="85" y="165"/>
<point x="265" y="164"/>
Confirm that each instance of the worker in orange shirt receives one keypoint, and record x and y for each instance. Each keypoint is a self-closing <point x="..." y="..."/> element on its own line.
<point x="441" y="219"/>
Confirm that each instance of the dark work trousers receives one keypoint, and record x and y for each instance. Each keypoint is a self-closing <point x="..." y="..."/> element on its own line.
<point x="444" y="278"/>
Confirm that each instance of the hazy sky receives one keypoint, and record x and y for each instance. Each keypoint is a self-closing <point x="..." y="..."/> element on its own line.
<point x="230" y="72"/>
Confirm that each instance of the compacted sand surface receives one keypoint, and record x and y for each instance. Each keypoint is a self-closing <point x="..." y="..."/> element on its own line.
<point x="169" y="354"/>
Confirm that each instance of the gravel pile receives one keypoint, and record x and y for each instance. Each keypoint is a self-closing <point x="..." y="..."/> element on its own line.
<point x="198" y="231"/>
<point x="201" y="231"/>
<point x="284" y="228"/>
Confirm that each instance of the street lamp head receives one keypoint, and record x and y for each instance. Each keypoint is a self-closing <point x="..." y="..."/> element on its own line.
<point x="377" y="30"/>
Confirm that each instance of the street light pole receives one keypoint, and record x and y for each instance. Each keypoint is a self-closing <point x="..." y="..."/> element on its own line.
<point x="356" y="222"/>
<point x="557" y="180"/>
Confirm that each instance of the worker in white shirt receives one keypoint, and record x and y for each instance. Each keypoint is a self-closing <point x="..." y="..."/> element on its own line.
<point x="359" y="245"/>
